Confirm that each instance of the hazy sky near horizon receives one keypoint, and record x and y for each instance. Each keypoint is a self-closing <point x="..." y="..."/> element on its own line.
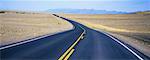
<point x="43" y="5"/>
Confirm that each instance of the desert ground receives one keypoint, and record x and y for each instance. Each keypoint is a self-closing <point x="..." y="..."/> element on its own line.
<point x="133" y="29"/>
<point x="19" y="26"/>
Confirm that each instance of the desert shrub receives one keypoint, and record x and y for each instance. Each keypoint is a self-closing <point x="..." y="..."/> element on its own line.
<point x="2" y="11"/>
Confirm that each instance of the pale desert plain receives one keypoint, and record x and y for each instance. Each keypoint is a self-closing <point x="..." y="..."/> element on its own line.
<point x="19" y="26"/>
<point x="133" y="29"/>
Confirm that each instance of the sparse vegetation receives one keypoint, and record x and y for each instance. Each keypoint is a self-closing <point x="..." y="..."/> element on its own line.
<point x="2" y="11"/>
<point x="118" y="23"/>
<point x="20" y="26"/>
<point x="133" y="29"/>
<point x="143" y="12"/>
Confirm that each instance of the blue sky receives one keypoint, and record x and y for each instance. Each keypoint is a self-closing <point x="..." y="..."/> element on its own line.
<point x="43" y="5"/>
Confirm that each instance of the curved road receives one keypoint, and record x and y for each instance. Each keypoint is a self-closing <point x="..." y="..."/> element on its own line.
<point x="90" y="45"/>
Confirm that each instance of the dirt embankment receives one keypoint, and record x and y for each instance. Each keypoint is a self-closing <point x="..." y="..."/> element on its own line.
<point x="18" y="26"/>
<point x="133" y="29"/>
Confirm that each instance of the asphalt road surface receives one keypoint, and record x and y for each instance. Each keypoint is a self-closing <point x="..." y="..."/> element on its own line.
<point x="92" y="45"/>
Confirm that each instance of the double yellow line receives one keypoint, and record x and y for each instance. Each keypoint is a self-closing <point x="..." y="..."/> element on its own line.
<point x="71" y="49"/>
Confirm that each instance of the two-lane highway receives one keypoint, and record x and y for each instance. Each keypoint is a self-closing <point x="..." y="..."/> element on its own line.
<point x="50" y="47"/>
<point x="102" y="46"/>
<point x="95" y="46"/>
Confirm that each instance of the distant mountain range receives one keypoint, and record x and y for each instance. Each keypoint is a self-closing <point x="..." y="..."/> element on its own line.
<point x="141" y="12"/>
<point x="84" y="11"/>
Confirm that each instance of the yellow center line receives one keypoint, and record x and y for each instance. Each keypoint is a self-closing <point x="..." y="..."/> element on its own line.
<point x="65" y="54"/>
<point x="70" y="53"/>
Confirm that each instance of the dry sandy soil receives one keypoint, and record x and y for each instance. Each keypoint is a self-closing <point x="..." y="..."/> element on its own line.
<point x="19" y="26"/>
<point x="133" y="29"/>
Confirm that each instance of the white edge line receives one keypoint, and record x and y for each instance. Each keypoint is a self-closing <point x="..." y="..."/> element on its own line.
<point x="120" y="44"/>
<point x="30" y="39"/>
<point x="124" y="46"/>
